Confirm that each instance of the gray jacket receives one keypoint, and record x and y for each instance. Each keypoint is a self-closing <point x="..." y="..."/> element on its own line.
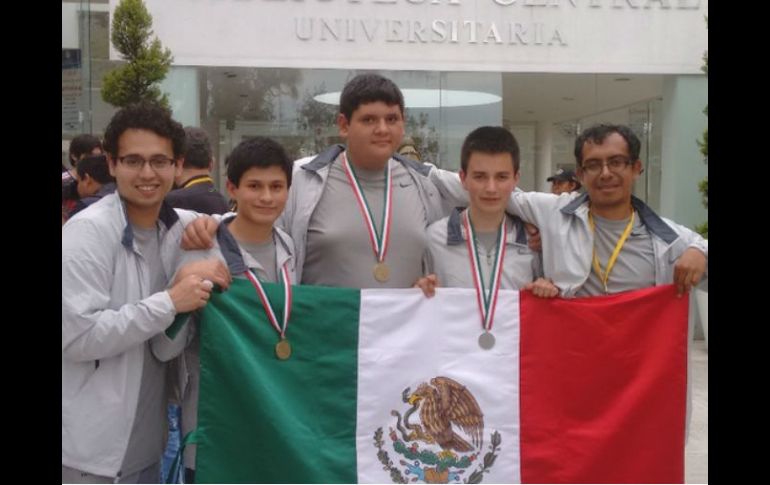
<point x="107" y="315"/>
<point x="308" y="181"/>
<point x="449" y="259"/>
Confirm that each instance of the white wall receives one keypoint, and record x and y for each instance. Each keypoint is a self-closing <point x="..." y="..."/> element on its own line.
<point x="630" y="36"/>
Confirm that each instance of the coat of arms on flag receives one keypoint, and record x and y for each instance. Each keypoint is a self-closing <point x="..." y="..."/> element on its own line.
<point x="445" y="444"/>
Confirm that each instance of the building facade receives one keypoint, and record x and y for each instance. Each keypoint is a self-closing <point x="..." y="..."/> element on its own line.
<point x="545" y="69"/>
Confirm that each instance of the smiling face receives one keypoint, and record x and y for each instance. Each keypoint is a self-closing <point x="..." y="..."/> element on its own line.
<point x="610" y="188"/>
<point x="489" y="180"/>
<point x="373" y="133"/>
<point x="261" y="195"/>
<point x="143" y="189"/>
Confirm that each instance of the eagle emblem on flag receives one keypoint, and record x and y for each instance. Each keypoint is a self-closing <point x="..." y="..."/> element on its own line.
<point x="447" y="441"/>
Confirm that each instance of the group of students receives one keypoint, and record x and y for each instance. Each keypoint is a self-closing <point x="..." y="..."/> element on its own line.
<point x="357" y="215"/>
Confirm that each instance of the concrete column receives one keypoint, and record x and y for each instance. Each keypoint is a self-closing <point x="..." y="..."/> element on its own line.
<point x="544" y="142"/>
<point x="181" y="85"/>
<point x="682" y="165"/>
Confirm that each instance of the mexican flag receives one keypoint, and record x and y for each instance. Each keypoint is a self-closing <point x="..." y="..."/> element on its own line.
<point x="387" y="386"/>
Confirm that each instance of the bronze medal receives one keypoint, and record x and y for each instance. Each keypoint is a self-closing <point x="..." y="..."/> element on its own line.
<point x="381" y="272"/>
<point x="283" y="349"/>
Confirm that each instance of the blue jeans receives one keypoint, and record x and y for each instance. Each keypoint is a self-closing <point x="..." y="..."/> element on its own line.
<point x="174" y="439"/>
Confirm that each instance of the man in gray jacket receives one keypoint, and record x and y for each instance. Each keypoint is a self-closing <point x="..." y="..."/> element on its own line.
<point x="119" y="289"/>
<point x="358" y="212"/>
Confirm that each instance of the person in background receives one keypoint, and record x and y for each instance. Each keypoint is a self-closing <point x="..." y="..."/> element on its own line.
<point x="94" y="181"/>
<point x="409" y="150"/>
<point x="196" y="190"/>
<point x="564" y="181"/>
<point x="80" y="147"/>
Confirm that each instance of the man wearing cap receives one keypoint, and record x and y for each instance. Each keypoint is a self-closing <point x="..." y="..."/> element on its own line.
<point x="564" y="181"/>
<point x="196" y="189"/>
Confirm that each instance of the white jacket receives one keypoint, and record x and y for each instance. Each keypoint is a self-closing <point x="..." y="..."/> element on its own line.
<point x="107" y="315"/>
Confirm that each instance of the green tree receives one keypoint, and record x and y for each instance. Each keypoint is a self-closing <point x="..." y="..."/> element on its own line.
<point x="148" y="62"/>
<point x="703" y="186"/>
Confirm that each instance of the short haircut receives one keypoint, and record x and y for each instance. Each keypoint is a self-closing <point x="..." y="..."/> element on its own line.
<point x="369" y="88"/>
<point x="598" y="133"/>
<point x="490" y="139"/>
<point x="197" y="148"/>
<point x="258" y="152"/>
<point x="83" y="145"/>
<point x="148" y="116"/>
<point x="96" y="167"/>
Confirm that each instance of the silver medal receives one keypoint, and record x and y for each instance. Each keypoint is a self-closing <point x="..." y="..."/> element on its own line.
<point x="486" y="340"/>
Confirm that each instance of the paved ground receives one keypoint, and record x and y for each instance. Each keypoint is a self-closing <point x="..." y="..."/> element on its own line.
<point x="697" y="450"/>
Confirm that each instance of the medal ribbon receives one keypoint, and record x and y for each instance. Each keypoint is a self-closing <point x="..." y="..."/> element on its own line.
<point x="611" y="263"/>
<point x="379" y="243"/>
<point x="486" y="298"/>
<point x="266" y="301"/>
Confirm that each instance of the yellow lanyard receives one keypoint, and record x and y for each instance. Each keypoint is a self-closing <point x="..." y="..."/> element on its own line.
<point x="199" y="181"/>
<point x="597" y="267"/>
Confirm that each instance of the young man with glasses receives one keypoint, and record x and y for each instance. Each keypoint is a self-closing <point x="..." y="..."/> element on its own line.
<point x="123" y="282"/>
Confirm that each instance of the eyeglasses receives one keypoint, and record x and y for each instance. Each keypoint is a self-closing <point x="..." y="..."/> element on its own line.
<point x="614" y="164"/>
<point x="137" y="162"/>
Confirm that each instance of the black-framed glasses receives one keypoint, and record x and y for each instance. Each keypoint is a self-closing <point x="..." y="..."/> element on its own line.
<point x="614" y="164"/>
<point x="137" y="162"/>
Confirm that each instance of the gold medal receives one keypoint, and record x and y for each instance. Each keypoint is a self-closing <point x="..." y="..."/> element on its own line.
<point x="381" y="272"/>
<point x="283" y="349"/>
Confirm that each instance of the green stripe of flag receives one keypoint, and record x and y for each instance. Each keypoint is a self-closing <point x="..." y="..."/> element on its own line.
<point x="290" y="421"/>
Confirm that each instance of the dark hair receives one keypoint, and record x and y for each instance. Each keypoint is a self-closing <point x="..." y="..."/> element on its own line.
<point x="490" y="139"/>
<point x="369" y="88"/>
<point x="144" y="116"/>
<point x="197" y="148"/>
<point x="259" y="152"/>
<point x="82" y="145"/>
<point x="598" y="133"/>
<point x="96" y="167"/>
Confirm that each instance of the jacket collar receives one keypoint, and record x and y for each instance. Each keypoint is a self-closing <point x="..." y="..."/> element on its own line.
<point x="233" y="255"/>
<point x="649" y="218"/>
<point x="454" y="232"/>
<point x="328" y="156"/>
<point x="167" y="216"/>
<point x="195" y="178"/>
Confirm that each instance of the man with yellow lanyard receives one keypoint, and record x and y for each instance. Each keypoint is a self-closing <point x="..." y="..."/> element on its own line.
<point x="195" y="187"/>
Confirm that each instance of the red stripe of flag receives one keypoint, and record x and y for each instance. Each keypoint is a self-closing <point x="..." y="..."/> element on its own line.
<point x="603" y="388"/>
